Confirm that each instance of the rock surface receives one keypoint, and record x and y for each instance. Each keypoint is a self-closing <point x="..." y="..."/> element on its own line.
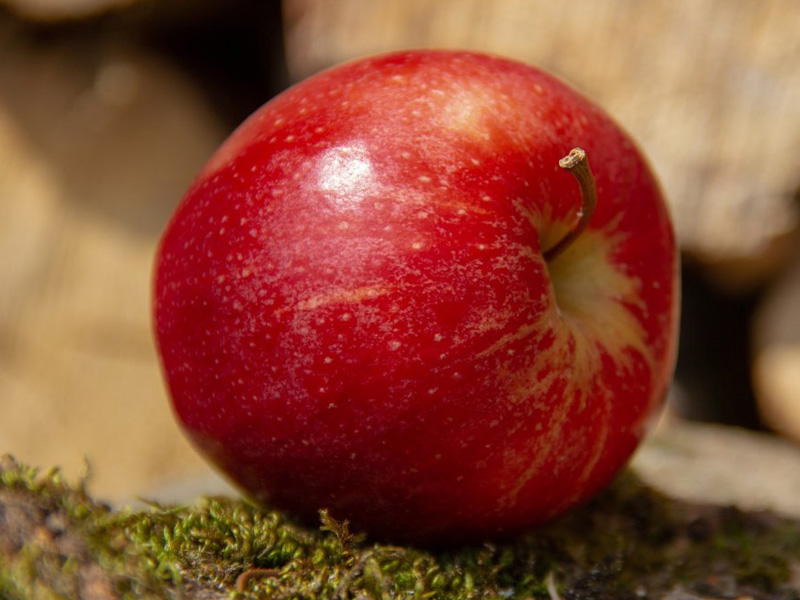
<point x="628" y="542"/>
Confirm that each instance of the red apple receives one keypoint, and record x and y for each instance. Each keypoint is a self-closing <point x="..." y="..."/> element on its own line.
<point x="359" y="305"/>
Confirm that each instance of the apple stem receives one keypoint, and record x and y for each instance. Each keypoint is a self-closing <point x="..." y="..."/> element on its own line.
<point x="576" y="163"/>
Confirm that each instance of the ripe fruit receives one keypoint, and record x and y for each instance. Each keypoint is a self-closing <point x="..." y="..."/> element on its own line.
<point x="358" y="305"/>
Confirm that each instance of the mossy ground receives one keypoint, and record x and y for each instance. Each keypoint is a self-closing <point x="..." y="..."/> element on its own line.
<point x="57" y="542"/>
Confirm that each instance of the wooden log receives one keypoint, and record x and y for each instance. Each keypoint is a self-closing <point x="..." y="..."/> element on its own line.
<point x="722" y="465"/>
<point x="776" y="354"/>
<point x="57" y="10"/>
<point x="97" y="145"/>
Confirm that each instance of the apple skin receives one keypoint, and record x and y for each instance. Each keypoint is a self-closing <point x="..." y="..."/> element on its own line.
<point x="353" y="311"/>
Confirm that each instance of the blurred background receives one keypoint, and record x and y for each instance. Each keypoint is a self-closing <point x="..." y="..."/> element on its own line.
<point x="108" y="108"/>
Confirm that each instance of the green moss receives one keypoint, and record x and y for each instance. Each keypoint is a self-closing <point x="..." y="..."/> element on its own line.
<point x="60" y="543"/>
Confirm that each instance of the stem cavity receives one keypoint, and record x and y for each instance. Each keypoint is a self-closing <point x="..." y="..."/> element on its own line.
<point x="577" y="164"/>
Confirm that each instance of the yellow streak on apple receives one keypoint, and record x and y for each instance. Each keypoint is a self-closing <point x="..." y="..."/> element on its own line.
<point x="582" y="311"/>
<point x="341" y="296"/>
